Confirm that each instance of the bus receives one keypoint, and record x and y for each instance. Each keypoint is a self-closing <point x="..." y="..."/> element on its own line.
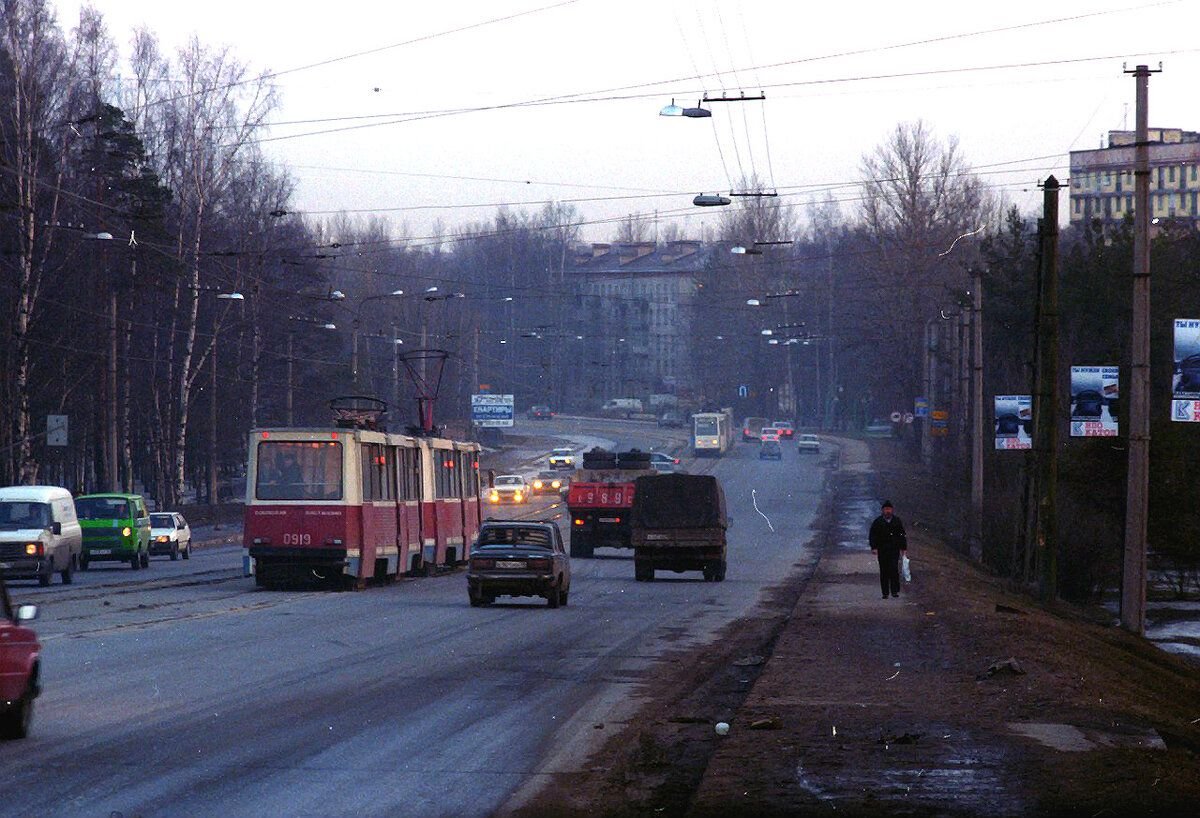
<point x="350" y="505"/>
<point x="712" y="433"/>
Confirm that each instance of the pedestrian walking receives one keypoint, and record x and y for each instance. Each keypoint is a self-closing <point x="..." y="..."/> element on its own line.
<point x="889" y="544"/>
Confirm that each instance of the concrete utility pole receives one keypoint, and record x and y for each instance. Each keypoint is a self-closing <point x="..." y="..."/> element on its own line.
<point x="1133" y="583"/>
<point x="977" y="426"/>
<point x="1046" y="396"/>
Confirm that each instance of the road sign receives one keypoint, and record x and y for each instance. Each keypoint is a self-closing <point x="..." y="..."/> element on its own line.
<point x="743" y="391"/>
<point x="492" y="410"/>
<point x="897" y="417"/>
<point x="921" y="407"/>
<point x="56" y="430"/>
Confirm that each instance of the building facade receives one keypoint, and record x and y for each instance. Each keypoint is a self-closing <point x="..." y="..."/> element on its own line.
<point x="636" y="310"/>
<point x="1102" y="179"/>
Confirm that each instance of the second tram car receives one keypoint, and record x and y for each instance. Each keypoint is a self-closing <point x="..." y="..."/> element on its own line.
<point x="712" y="433"/>
<point x="356" y="504"/>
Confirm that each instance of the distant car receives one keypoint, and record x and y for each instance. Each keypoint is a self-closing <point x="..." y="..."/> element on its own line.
<point x="878" y="428"/>
<point x="518" y="558"/>
<point x="664" y="463"/>
<point x="769" y="433"/>
<point x="808" y="443"/>
<point x="752" y="428"/>
<point x="562" y="458"/>
<point x="770" y="450"/>
<point x="20" y="666"/>
<point x="548" y="482"/>
<point x="540" y="413"/>
<point x="671" y="420"/>
<point x="509" y="488"/>
<point x="170" y="535"/>
<point x="786" y="430"/>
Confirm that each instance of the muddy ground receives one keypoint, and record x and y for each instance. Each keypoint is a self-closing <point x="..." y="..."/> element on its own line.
<point x="1094" y="722"/>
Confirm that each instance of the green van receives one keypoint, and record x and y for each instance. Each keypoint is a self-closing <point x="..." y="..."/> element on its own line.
<point x="115" y="527"/>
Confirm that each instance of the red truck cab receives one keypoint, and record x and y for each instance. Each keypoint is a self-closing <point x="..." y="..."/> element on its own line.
<point x="20" y="657"/>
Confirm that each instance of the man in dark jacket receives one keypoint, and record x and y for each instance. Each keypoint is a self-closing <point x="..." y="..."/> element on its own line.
<point x="889" y="544"/>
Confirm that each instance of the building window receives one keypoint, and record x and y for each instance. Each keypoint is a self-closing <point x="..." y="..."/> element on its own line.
<point x="1129" y="203"/>
<point x="1194" y="212"/>
<point x="1171" y="174"/>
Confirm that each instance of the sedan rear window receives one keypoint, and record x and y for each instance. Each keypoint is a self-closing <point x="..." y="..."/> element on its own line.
<point x="515" y="535"/>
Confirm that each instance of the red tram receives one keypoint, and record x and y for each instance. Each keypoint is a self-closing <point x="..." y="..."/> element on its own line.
<point x="356" y="504"/>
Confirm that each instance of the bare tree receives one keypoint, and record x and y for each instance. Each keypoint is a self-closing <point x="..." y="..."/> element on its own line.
<point x="633" y="228"/>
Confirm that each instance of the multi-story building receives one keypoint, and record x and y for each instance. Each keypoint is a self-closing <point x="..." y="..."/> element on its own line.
<point x="1102" y="179"/>
<point x="637" y="300"/>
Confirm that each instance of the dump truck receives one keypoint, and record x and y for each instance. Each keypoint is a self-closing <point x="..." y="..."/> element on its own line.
<point x="678" y="523"/>
<point x="600" y="499"/>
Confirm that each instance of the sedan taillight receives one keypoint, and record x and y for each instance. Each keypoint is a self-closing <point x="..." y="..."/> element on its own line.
<point x="480" y="564"/>
<point x="539" y="564"/>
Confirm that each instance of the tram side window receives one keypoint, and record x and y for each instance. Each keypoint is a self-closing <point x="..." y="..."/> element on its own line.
<point x="299" y="470"/>
<point x="378" y="472"/>
<point x="446" y="483"/>
<point x="466" y="471"/>
<point x="410" y="474"/>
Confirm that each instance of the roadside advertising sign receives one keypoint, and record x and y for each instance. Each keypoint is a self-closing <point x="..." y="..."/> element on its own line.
<point x="921" y="407"/>
<point x="1185" y="385"/>
<point x="1014" y="421"/>
<point x="492" y="410"/>
<point x="939" y="423"/>
<point x="56" y="430"/>
<point x="1094" y="401"/>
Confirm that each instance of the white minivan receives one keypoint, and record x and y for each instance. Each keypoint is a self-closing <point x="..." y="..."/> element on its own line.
<point x="39" y="533"/>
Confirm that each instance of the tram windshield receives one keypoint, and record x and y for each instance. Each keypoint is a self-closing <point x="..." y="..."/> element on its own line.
<point x="706" y="426"/>
<point x="299" y="470"/>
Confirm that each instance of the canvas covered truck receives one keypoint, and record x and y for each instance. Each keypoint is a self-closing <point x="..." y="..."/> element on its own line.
<point x="600" y="499"/>
<point x="678" y="524"/>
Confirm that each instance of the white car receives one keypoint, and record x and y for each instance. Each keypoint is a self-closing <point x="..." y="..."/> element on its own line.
<point x="509" y="488"/>
<point x="170" y="535"/>
<point x="563" y="458"/>
<point x="808" y="443"/>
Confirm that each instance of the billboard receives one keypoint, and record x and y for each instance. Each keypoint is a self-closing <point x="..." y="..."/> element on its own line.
<point x="1094" y="401"/>
<point x="1013" y="420"/>
<point x="492" y="410"/>
<point x="1185" y="385"/>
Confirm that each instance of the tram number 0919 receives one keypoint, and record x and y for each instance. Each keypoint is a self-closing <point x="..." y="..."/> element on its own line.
<point x="297" y="539"/>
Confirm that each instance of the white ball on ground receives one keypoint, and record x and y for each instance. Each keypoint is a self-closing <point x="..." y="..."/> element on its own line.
<point x="722" y="728"/>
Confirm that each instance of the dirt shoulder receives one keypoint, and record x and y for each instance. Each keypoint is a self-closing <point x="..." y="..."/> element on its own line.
<point x="868" y="706"/>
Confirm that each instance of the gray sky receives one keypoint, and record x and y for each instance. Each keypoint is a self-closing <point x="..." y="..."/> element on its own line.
<point x="618" y="156"/>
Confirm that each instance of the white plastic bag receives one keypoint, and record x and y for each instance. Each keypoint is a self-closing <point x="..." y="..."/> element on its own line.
<point x="905" y="571"/>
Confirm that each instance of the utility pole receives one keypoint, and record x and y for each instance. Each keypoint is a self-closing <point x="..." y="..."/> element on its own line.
<point x="977" y="427"/>
<point x="1046" y="395"/>
<point x="290" y="382"/>
<point x="1133" y="581"/>
<point x="930" y="349"/>
<point x="113" y="477"/>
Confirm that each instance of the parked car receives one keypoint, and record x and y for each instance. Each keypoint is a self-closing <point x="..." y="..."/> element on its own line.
<point x="770" y="450"/>
<point x="540" y="413"/>
<point x="170" y="534"/>
<point x="115" y="527"/>
<point x="39" y="533"/>
<point x="786" y="430"/>
<point x="671" y="420"/>
<point x="548" y="482"/>
<point x="518" y="558"/>
<point x="509" y="488"/>
<point x="562" y="458"/>
<point x="808" y="443"/>
<point x="20" y="665"/>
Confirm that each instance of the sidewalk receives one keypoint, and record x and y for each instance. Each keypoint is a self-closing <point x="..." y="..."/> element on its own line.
<point x="869" y="706"/>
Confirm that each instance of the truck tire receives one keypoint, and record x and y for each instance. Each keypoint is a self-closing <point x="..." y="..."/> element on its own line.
<point x="643" y="571"/>
<point x="554" y="598"/>
<point x="720" y="573"/>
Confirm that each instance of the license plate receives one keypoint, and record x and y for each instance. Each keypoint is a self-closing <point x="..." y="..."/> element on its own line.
<point x="609" y="520"/>
<point x="510" y="564"/>
<point x="100" y="551"/>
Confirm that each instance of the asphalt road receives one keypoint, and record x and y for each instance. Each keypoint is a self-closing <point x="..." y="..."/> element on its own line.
<point x="184" y="690"/>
